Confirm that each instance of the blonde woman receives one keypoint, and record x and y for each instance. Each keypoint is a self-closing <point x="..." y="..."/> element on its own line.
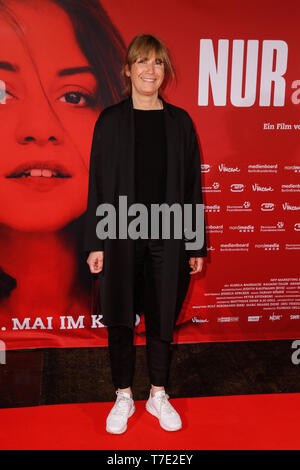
<point x="145" y="149"/>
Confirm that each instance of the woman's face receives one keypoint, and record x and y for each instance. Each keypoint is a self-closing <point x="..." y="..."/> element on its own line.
<point x="146" y="74"/>
<point x="47" y="113"/>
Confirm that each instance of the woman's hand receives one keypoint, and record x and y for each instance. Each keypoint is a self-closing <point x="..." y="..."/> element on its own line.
<point x="95" y="261"/>
<point x="196" y="264"/>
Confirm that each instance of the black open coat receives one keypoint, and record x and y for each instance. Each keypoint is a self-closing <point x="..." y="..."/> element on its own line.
<point x="111" y="175"/>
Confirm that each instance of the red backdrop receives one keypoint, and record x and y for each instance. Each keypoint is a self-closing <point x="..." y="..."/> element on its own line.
<point x="244" y="60"/>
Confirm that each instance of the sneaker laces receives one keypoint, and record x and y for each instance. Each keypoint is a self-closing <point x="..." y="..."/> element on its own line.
<point x="165" y="405"/>
<point x="122" y="404"/>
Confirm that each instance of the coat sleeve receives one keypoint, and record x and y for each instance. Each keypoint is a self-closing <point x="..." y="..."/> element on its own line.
<point x="91" y="241"/>
<point x="193" y="187"/>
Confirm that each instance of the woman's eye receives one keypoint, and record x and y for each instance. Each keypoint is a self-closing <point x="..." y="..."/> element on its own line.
<point x="78" y="98"/>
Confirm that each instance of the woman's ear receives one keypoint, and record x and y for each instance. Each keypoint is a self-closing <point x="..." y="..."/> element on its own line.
<point x="127" y="70"/>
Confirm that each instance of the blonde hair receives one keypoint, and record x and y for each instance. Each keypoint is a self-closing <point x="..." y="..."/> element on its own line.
<point x="143" y="45"/>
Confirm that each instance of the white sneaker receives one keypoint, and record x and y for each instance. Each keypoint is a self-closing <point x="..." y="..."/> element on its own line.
<point x="160" y="407"/>
<point x="116" y="422"/>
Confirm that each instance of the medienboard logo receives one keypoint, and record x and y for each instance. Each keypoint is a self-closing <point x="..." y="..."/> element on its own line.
<point x="267" y="246"/>
<point x="237" y="187"/>
<point x="267" y="206"/>
<point x="290" y="188"/>
<point x="263" y="168"/>
<point x="214" y="228"/>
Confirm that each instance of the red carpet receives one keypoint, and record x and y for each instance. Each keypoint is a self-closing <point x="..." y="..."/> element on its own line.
<point x="234" y="422"/>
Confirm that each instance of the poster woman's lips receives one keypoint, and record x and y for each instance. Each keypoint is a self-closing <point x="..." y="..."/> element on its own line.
<point x="38" y="169"/>
<point x="40" y="175"/>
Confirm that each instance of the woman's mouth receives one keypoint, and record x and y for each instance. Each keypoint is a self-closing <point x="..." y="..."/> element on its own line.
<point x="40" y="175"/>
<point x="151" y="80"/>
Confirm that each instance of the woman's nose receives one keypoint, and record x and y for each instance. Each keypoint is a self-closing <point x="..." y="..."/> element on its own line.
<point x="39" y="128"/>
<point x="150" y="68"/>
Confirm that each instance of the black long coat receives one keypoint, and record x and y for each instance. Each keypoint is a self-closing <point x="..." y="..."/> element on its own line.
<point x="111" y="175"/>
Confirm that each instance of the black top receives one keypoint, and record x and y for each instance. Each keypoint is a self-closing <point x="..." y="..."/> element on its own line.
<point x="150" y="158"/>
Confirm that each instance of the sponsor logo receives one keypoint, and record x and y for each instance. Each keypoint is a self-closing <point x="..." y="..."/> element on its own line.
<point x="291" y="188"/>
<point x="227" y="319"/>
<point x="267" y="206"/>
<point x="234" y="247"/>
<point x="245" y="207"/>
<point x="214" y="188"/>
<point x="200" y="320"/>
<point x="205" y="168"/>
<point x="292" y="246"/>
<point x="289" y="207"/>
<point x="214" y="228"/>
<point x="228" y="169"/>
<point x="263" y="168"/>
<point x="237" y="187"/>
<point x="275" y="317"/>
<point x="267" y="246"/>
<point x="213" y="208"/>
<point x="254" y="317"/>
<point x="294" y="168"/>
<point x="279" y="227"/>
<point x="242" y="228"/>
<point x="257" y="187"/>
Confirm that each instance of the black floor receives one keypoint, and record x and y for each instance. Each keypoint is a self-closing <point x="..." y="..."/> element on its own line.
<point x="52" y="376"/>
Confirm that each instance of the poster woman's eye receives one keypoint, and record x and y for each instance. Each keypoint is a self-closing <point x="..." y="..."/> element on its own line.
<point x="78" y="98"/>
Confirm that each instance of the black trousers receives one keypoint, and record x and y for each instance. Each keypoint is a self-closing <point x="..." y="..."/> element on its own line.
<point x="147" y="286"/>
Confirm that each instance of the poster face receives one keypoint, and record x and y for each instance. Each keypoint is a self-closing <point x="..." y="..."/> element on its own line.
<point x="237" y="76"/>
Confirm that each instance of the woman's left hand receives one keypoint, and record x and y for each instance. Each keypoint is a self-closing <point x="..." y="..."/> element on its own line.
<point x="196" y="264"/>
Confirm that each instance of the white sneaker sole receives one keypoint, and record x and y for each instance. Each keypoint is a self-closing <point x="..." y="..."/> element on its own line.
<point x="120" y="431"/>
<point x="153" y="411"/>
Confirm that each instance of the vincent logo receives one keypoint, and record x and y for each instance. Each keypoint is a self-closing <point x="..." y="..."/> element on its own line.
<point x="257" y="187"/>
<point x="228" y="169"/>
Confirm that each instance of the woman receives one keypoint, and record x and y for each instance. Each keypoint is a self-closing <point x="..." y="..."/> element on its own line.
<point x="53" y="89"/>
<point x="145" y="149"/>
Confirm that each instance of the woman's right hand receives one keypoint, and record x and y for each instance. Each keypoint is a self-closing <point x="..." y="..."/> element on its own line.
<point x="95" y="261"/>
